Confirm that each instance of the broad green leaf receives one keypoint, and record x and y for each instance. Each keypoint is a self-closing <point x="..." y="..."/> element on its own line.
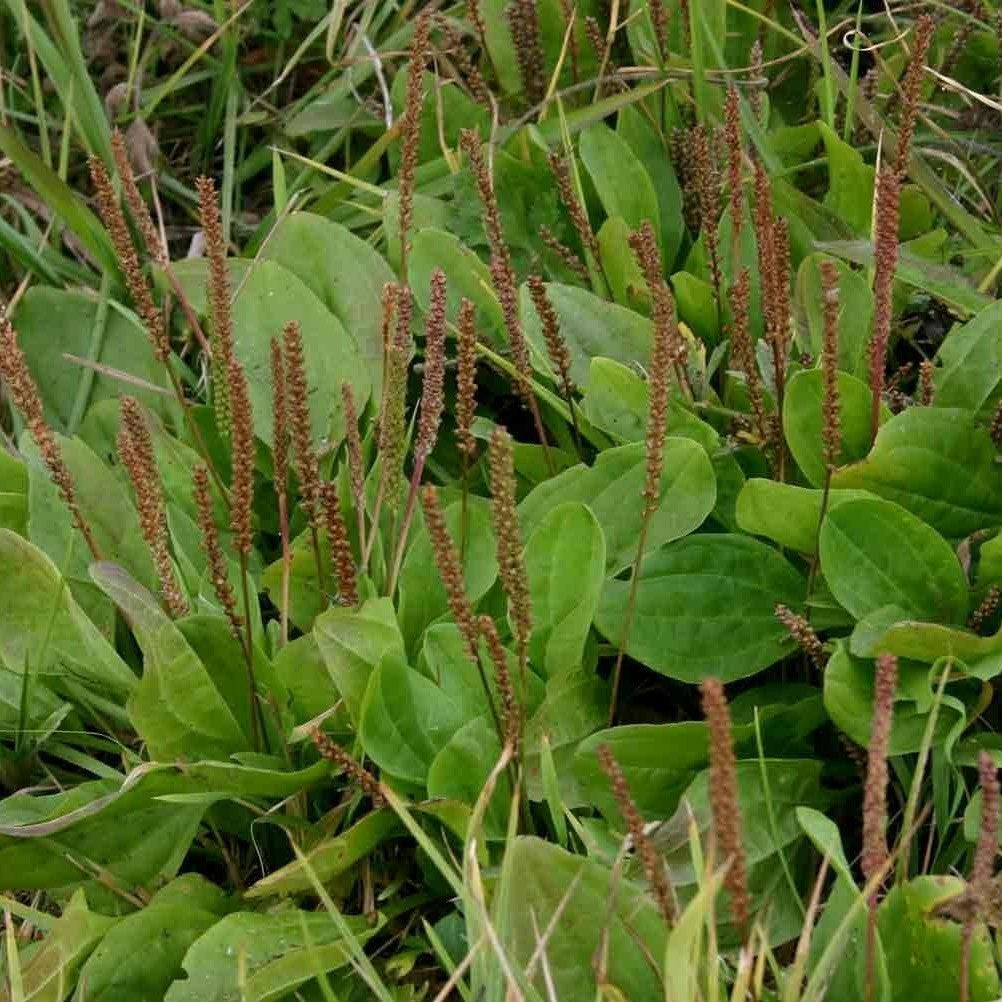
<point x="850" y="181"/>
<point x="352" y="643"/>
<point x="612" y="490"/>
<point x="969" y="361"/>
<point x="565" y="564"/>
<point x="784" y="513"/>
<point x="619" y="264"/>
<point x="923" y="947"/>
<point x="651" y="150"/>
<point x="51" y="972"/>
<point x="428" y="213"/>
<point x="177" y="709"/>
<point x="140" y="957"/>
<point x="13" y="494"/>
<point x="874" y="554"/>
<point x="706" y="607"/>
<point x="848" y="693"/>
<point x="344" y="272"/>
<point x="461" y="769"/>
<point x="624" y="187"/>
<point x="697" y="306"/>
<point x="617" y="402"/>
<point x="792" y="783"/>
<point x="889" y="630"/>
<point x="53" y="323"/>
<point x="330" y="857"/>
<point x="45" y="629"/>
<point x="422" y="595"/>
<point x="468" y="276"/>
<point x="658" y="760"/>
<point x="301" y="667"/>
<point x="596" y="907"/>
<point x="56" y="841"/>
<point x="249" y="957"/>
<point x="854" y="317"/>
<point x="270" y="297"/>
<point x="936" y="463"/>
<point x="106" y="504"/>
<point x="590" y="327"/>
<point x="406" y="720"/>
<point x="803" y="421"/>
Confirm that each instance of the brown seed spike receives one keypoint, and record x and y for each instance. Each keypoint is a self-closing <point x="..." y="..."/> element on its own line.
<point x="219" y="297"/>
<point x="885" y="262"/>
<point x="511" y="561"/>
<point x="556" y="347"/>
<point x="342" y="760"/>
<point x="300" y="428"/>
<point x="707" y="176"/>
<point x="510" y="713"/>
<point x="523" y="21"/>
<point x="393" y="416"/>
<point x="135" y="448"/>
<point x="911" y="87"/>
<point x="242" y="439"/>
<point x="218" y="573"/>
<point x="732" y="129"/>
<point x="121" y="239"/>
<point x="450" y="570"/>
<point x="410" y="128"/>
<point x="803" y="633"/>
<point x="724" y="802"/>
<point x="831" y="423"/>
<point x="651" y="860"/>
<point x="433" y="390"/>
<point x="875" y="791"/>
<point x="356" y="467"/>
<point x="466" y="378"/>
<point x="571" y="202"/>
<point x="743" y="353"/>
<point x="337" y="536"/>
<point x="24" y="392"/>
<point x="927" y="386"/>
<point x="134" y="200"/>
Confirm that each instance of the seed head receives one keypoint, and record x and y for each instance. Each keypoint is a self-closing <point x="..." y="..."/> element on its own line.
<point x="337" y="535"/>
<point x="242" y="441"/>
<point x="466" y="378"/>
<point x="911" y="86"/>
<point x="803" y="633"/>
<point x="885" y="262"/>
<point x="743" y="354"/>
<point x="218" y="573"/>
<point x="433" y="391"/>
<point x="927" y="388"/>
<point x="135" y="448"/>
<point x="875" y="791"/>
<point x="24" y="392"/>
<point x="450" y="570"/>
<point x="393" y="423"/>
<point x="411" y="131"/>
<point x="121" y="239"/>
<point x="988" y="607"/>
<point x="724" y="803"/>
<point x="218" y="295"/>
<point x="732" y="128"/>
<point x="556" y="347"/>
<point x="134" y="200"/>
<point x="650" y="859"/>
<point x="335" y="754"/>
<point x="511" y="562"/>
<point x="300" y="429"/>
<point x="510" y="712"/>
<point x="569" y="197"/>
<point x="707" y="177"/>
<point x="568" y="258"/>
<point x="523" y="21"/>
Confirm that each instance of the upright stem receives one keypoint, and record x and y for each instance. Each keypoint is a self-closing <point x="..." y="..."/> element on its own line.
<point x="628" y="619"/>
<point x="405" y="523"/>
<point x="255" y="709"/>
<point x="196" y="434"/>
<point x="318" y="559"/>
<point x="283" y="523"/>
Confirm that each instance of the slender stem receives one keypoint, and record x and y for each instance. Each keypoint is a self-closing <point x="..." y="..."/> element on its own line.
<point x="540" y="431"/>
<point x="255" y="709"/>
<point x="283" y="523"/>
<point x="628" y="619"/>
<point x="374" y="525"/>
<point x="196" y="434"/>
<point x="318" y="559"/>
<point x="398" y="557"/>
<point x="464" y="511"/>
<point x="360" y="515"/>
<point x="569" y="396"/>
<point x="816" y="560"/>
